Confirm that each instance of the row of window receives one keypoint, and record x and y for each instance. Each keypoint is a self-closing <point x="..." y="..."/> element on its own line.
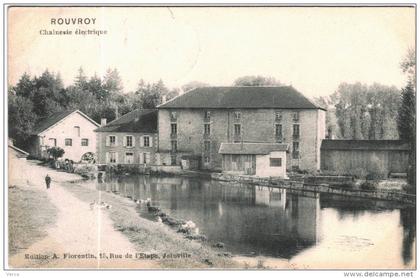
<point x="68" y="142"/>
<point x="279" y="131"/>
<point x="278" y="115"/>
<point x="129" y="141"/>
<point x="129" y="158"/>
<point x="237" y="130"/>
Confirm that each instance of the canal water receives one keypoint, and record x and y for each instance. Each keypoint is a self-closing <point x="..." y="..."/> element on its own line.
<point x="312" y="229"/>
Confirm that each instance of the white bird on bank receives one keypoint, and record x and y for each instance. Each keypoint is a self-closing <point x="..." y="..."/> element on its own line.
<point x="101" y="205"/>
<point x="189" y="225"/>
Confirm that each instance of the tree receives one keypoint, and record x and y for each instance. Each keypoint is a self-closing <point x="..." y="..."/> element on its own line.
<point x="151" y="95"/>
<point x="21" y="119"/>
<point x="81" y="80"/>
<point x="172" y="93"/>
<point x="44" y="103"/>
<point x="193" y="85"/>
<point x="112" y="82"/>
<point x="49" y="95"/>
<point x="408" y="66"/>
<point x="95" y="87"/>
<point x="25" y="87"/>
<point x="333" y="130"/>
<point x="407" y="128"/>
<point x="407" y="114"/>
<point x="251" y="80"/>
<point x="55" y="152"/>
<point x="366" y="112"/>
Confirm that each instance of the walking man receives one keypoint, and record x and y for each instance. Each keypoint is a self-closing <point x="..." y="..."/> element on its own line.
<point x="47" y="181"/>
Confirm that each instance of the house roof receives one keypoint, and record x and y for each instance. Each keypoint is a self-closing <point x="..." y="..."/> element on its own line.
<point x="139" y="121"/>
<point x="251" y="148"/>
<point x="282" y="97"/>
<point x="22" y="153"/>
<point x="55" y="118"/>
<point x="368" y="145"/>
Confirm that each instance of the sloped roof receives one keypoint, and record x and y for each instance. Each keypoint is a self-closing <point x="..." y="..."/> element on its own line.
<point x="242" y="97"/>
<point x="251" y="148"/>
<point x="21" y="152"/>
<point x="139" y="121"/>
<point x="368" y="145"/>
<point x="55" y="118"/>
<point x="51" y="120"/>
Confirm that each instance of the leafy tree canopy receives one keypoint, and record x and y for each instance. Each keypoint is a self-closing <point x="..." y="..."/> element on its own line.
<point x="252" y="80"/>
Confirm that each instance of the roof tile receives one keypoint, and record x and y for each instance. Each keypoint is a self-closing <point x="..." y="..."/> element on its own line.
<point x="251" y="148"/>
<point x="242" y="97"/>
<point x="139" y="121"/>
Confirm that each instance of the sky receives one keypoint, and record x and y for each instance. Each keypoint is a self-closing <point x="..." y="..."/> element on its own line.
<point x="312" y="49"/>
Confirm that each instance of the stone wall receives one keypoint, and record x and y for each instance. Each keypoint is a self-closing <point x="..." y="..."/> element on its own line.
<point x="257" y="125"/>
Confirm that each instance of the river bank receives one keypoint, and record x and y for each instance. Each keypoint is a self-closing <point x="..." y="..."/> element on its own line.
<point x="78" y="235"/>
<point x="389" y="192"/>
<point x="169" y="248"/>
<point x="119" y="234"/>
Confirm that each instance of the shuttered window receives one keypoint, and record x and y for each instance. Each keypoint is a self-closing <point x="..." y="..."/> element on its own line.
<point x="111" y="141"/>
<point x="112" y="157"/>
<point x="129" y="142"/>
<point x="146" y="141"/>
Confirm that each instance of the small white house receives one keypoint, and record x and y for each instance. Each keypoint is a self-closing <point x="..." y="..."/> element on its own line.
<point x="73" y="131"/>
<point x="257" y="159"/>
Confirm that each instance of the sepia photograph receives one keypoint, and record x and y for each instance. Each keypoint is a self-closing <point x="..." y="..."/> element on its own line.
<point x="210" y="137"/>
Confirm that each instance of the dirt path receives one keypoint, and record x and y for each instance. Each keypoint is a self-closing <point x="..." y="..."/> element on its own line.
<point x="79" y="230"/>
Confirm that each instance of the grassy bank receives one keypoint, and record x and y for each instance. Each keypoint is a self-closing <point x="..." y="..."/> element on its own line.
<point x="153" y="237"/>
<point x="30" y="214"/>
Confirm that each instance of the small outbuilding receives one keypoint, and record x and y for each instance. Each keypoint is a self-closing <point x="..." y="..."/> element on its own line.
<point x="257" y="159"/>
<point x="16" y="153"/>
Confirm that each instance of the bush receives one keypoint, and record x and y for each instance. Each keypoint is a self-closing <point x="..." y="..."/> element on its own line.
<point x="376" y="170"/>
<point x="55" y="152"/>
<point x="369" y="185"/>
<point x="343" y="186"/>
<point x="359" y="173"/>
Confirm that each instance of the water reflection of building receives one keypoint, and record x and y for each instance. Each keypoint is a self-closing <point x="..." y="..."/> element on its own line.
<point x="273" y="197"/>
<point x="307" y="220"/>
<point x="304" y="210"/>
<point x="246" y="218"/>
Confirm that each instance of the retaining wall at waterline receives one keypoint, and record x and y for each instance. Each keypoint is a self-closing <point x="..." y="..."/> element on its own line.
<point x="388" y="195"/>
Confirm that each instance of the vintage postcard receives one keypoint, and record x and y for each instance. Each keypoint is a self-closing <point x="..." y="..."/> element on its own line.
<point x="211" y="137"/>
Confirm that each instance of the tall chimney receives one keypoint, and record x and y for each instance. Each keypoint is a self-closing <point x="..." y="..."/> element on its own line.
<point x="103" y="122"/>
